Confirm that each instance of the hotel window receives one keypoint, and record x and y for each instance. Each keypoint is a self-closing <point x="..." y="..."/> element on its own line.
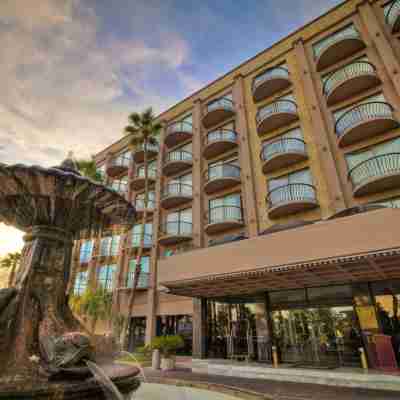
<point x="233" y="200"/>
<point x="123" y="159"/>
<point x="188" y="119"/>
<point x="109" y="246"/>
<point x="227" y="207"/>
<point x="101" y="172"/>
<point x="144" y="273"/>
<point x="302" y="177"/>
<point x="148" y="235"/>
<point x="229" y="167"/>
<point x="182" y="184"/>
<point x="106" y="275"/>
<point x="179" y="222"/>
<point x="139" y="202"/>
<point x="225" y="100"/>
<point x="152" y="170"/>
<point x="86" y="251"/>
<point x="292" y="134"/>
<point x="81" y="281"/>
<point x="385" y="148"/>
<point x="120" y="185"/>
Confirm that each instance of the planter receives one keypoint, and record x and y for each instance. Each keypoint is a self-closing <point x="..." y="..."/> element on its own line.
<point x="156" y="360"/>
<point x="167" y="364"/>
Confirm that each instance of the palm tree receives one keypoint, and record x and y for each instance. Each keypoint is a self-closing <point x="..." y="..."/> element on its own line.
<point x="142" y="130"/>
<point x="88" y="168"/>
<point x="11" y="261"/>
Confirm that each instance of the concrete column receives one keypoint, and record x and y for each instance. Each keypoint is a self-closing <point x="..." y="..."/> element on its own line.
<point x="198" y="211"/>
<point x="152" y="296"/>
<point x="245" y="157"/>
<point x="381" y="43"/>
<point x="94" y="262"/>
<point x="199" y="328"/>
<point x="319" y="130"/>
<point x="119" y="279"/>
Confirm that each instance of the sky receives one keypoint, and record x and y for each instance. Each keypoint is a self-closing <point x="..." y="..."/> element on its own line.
<point x="73" y="70"/>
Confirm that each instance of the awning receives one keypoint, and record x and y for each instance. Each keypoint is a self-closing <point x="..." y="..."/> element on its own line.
<point x="359" y="248"/>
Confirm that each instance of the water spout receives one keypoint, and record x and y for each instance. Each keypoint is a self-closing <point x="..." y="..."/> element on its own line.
<point x="126" y="353"/>
<point x="111" y="392"/>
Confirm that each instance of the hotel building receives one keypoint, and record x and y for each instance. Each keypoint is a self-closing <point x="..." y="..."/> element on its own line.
<point x="273" y="218"/>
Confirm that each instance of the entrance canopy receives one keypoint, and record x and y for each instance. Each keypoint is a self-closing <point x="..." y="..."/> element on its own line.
<point x="359" y="248"/>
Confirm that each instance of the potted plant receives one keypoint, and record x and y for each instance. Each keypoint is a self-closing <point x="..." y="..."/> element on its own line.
<point x="168" y="346"/>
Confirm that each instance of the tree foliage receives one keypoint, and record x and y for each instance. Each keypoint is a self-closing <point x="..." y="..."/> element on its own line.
<point x="11" y="261"/>
<point x="88" y="169"/>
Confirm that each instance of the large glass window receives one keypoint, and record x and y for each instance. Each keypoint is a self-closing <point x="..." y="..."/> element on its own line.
<point x="81" y="281"/>
<point x="86" y="251"/>
<point x="152" y="169"/>
<point x="148" y="234"/>
<point x="139" y="202"/>
<point x="109" y="246"/>
<point x="225" y="208"/>
<point x="179" y="222"/>
<point x="120" y="185"/>
<point x="230" y="200"/>
<point x="183" y="179"/>
<point x="106" y="275"/>
<point x="144" y="273"/>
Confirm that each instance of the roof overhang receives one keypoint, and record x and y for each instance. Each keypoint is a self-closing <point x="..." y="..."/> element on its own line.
<point x="359" y="248"/>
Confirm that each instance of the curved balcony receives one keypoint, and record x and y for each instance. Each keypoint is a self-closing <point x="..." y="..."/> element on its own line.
<point x="364" y="121"/>
<point x="176" y="161"/>
<point x="177" y="133"/>
<point x="175" y="194"/>
<point x="138" y="182"/>
<point x="291" y="199"/>
<point x="281" y="153"/>
<point x="392" y="16"/>
<point x="152" y="151"/>
<point x="174" y="232"/>
<point x="376" y="174"/>
<point x="223" y="218"/>
<point x="118" y="166"/>
<point x="350" y="80"/>
<point x="218" y="111"/>
<point x="140" y="207"/>
<point x="221" y="177"/>
<point x="218" y="142"/>
<point x="276" y="115"/>
<point x="337" y="47"/>
<point x="147" y="242"/>
<point x="271" y="81"/>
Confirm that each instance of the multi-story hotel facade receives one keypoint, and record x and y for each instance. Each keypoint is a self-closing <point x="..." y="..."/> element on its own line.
<point x="274" y="190"/>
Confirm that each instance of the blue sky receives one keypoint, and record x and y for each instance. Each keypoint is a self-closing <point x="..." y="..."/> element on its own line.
<point x="73" y="69"/>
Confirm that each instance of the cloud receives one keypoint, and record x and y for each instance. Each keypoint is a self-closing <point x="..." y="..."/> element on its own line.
<point x="70" y="87"/>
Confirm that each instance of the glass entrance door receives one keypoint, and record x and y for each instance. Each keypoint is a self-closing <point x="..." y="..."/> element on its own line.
<point x="324" y="336"/>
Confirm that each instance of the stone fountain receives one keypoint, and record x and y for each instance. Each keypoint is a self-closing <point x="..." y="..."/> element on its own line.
<point x="43" y="348"/>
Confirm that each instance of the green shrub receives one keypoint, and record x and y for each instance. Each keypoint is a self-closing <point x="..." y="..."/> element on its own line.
<point x="168" y="345"/>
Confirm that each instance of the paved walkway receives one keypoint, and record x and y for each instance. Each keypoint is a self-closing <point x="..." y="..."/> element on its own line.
<point x="270" y="389"/>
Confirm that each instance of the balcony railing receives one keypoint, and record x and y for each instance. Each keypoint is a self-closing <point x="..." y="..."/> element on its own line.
<point x="289" y="194"/>
<point x="334" y="47"/>
<point x="220" y="214"/>
<point x="282" y="146"/>
<point x="152" y="151"/>
<point x="374" y="169"/>
<point x="148" y="240"/>
<point x="392" y="15"/>
<point x="363" y="113"/>
<point x="221" y="135"/>
<point x="217" y="111"/>
<point x="178" y="155"/>
<point x="262" y="81"/>
<point x="177" y="228"/>
<point x="118" y="165"/>
<point x="139" y="204"/>
<point x="223" y="171"/>
<point x="143" y="282"/>
<point x="265" y="115"/>
<point x="152" y="173"/>
<point x="177" y="189"/>
<point x="218" y="141"/>
<point x="178" y="132"/>
<point x="357" y="69"/>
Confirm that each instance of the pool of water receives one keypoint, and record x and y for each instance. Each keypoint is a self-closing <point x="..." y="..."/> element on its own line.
<point x="152" y="391"/>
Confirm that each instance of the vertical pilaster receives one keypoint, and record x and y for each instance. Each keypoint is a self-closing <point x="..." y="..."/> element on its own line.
<point x="319" y="130"/>
<point x="381" y="43"/>
<point x="152" y="295"/>
<point x="199" y="328"/>
<point x="245" y="158"/>
<point x="118" y="281"/>
<point x="94" y="262"/>
<point x="197" y="176"/>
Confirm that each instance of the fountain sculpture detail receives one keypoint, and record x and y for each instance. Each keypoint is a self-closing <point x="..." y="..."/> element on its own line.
<point x="40" y="339"/>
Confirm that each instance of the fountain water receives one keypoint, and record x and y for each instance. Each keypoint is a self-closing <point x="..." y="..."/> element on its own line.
<point x="40" y="340"/>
